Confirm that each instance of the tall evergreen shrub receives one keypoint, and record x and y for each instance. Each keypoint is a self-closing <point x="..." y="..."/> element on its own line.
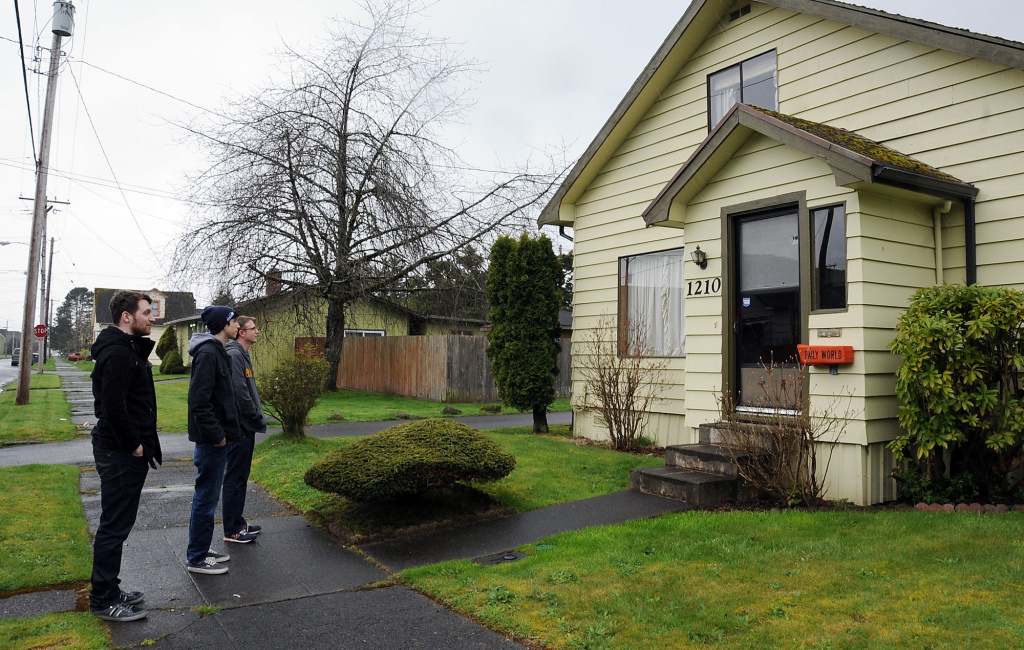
<point x="523" y="289"/>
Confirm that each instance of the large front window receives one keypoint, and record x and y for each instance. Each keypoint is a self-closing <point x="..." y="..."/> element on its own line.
<point x="651" y="308"/>
<point x="753" y="81"/>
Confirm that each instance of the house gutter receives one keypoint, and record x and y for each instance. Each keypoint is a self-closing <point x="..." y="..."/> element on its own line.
<point x="561" y="231"/>
<point x="937" y="224"/>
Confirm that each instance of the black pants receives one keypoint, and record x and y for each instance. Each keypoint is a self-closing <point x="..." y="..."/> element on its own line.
<point x="121" y="479"/>
<point x="236" y="479"/>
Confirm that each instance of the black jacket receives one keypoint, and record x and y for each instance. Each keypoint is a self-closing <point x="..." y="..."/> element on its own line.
<point x="212" y="411"/>
<point x="122" y="385"/>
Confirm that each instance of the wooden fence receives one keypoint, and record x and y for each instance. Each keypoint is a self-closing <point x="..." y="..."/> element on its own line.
<point x="440" y="368"/>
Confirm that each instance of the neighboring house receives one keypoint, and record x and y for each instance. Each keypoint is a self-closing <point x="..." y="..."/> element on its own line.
<point x="872" y="155"/>
<point x="167" y="306"/>
<point x="288" y="320"/>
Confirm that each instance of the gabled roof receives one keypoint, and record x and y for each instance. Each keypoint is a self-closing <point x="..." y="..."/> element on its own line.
<point x="854" y="159"/>
<point x="704" y="15"/>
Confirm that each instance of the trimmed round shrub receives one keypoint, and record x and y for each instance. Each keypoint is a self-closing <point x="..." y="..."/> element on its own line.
<point x="411" y="459"/>
<point x="172" y="364"/>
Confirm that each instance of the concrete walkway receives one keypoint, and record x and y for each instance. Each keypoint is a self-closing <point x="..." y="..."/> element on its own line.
<point x="297" y="586"/>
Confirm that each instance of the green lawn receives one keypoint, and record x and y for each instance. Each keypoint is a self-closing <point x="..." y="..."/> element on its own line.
<point x="354" y="406"/>
<point x="47" y="417"/>
<point x="37" y="381"/>
<point x="45" y="542"/>
<point x="78" y="630"/>
<point x="83" y="365"/>
<point x="43" y="532"/>
<point x="549" y="470"/>
<point x="756" y="580"/>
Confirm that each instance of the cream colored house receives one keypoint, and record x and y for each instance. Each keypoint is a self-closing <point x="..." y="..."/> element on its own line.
<point x="829" y="160"/>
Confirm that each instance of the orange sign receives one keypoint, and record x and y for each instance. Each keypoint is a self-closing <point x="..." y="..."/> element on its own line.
<point x="817" y="355"/>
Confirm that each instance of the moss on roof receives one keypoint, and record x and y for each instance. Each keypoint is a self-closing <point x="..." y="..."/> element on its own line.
<point x="879" y="153"/>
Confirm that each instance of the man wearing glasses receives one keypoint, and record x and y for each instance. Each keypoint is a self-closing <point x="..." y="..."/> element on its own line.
<point x="251" y="421"/>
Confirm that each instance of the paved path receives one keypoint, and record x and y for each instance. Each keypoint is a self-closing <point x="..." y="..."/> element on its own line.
<point x="297" y="586"/>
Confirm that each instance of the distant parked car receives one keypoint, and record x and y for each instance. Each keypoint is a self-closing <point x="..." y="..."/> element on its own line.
<point x="15" y="356"/>
<point x="74" y="356"/>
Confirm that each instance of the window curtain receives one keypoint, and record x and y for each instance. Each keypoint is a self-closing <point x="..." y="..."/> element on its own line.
<point x="654" y="296"/>
<point x="724" y="91"/>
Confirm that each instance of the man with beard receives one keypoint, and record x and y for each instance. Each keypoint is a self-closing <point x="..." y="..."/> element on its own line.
<point x="124" y="443"/>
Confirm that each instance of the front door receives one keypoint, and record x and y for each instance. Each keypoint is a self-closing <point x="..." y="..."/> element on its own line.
<point x="767" y="294"/>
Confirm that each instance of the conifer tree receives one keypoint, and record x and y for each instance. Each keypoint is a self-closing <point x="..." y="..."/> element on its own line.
<point x="523" y="289"/>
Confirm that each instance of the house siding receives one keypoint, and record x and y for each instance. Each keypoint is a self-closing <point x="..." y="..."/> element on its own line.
<point x="961" y="115"/>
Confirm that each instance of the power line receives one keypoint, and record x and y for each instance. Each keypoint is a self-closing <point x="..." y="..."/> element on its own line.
<point x="84" y="179"/>
<point x="24" y="77"/>
<point x="150" y="88"/>
<point x="111" y="167"/>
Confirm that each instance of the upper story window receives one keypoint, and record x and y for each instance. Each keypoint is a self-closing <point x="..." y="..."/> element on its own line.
<point x="754" y="81"/>
<point x="829" y="232"/>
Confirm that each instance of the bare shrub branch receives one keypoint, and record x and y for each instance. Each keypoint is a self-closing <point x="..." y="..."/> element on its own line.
<point x="775" y="447"/>
<point x="619" y="389"/>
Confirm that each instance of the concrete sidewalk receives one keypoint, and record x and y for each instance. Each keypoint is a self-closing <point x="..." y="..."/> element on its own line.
<point x="296" y="586"/>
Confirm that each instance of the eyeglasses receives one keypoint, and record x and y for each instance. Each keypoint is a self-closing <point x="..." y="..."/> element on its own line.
<point x="247" y="329"/>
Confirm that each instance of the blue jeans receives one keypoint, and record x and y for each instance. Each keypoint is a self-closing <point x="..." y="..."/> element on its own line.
<point x="121" y="479"/>
<point x="209" y="461"/>
<point x="236" y="479"/>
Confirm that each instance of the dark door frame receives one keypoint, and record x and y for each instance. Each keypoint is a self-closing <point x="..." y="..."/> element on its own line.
<point x="728" y="217"/>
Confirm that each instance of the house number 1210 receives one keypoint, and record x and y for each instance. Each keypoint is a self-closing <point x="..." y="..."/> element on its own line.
<point x="703" y="287"/>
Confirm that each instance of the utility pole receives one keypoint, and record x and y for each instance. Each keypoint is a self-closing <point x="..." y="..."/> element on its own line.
<point x="63" y="25"/>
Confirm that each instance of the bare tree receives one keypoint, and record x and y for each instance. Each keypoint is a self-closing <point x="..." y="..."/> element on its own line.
<point x="621" y="381"/>
<point x="337" y="183"/>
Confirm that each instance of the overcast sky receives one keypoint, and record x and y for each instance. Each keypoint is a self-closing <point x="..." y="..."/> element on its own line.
<point x="555" y="69"/>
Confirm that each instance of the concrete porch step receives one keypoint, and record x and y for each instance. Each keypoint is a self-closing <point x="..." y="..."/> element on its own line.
<point x="700" y="489"/>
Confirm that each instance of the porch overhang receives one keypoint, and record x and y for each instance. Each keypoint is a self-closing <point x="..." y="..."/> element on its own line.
<point x="855" y="161"/>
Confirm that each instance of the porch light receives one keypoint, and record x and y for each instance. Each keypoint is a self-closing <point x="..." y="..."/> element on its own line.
<point x="700" y="258"/>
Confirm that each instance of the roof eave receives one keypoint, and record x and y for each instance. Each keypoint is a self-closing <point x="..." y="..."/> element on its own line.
<point x="555" y="213"/>
<point x="988" y="48"/>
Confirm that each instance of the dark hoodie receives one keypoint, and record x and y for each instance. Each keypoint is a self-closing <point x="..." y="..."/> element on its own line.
<point x="122" y="384"/>
<point x="212" y="412"/>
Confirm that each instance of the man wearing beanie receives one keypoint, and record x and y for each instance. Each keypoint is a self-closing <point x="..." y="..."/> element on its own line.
<point x="212" y="423"/>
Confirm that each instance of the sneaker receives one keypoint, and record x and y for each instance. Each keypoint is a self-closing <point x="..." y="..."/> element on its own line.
<point x="120" y="613"/>
<point x="217" y="557"/>
<point x="241" y="537"/>
<point x="132" y="597"/>
<point x="252" y="529"/>
<point x="207" y="565"/>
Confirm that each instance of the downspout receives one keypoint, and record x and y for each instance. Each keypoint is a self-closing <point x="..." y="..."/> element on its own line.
<point x="561" y="231"/>
<point x="970" y="241"/>
<point x="937" y="222"/>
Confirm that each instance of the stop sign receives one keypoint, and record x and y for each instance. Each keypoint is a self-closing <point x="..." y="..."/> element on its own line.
<point x="40" y="330"/>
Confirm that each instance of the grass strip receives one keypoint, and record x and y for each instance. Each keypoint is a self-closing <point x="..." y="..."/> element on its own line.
<point x="756" y="580"/>
<point x="43" y="532"/>
<point x="549" y="470"/>
<point x="352" y="406"/>
<point x="38" y="381"/>
<point x="77" y="630"/>
<point x="46" y="418"/>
